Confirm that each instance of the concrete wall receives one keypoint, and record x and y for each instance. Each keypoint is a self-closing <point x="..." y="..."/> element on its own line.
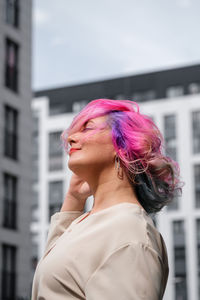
<point x="21" y="167"/>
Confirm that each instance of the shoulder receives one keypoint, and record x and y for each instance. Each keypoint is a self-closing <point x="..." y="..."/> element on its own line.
<point x="130" y="226"/>
<point x="135" y="269"/>
<point x="127" y="226"/>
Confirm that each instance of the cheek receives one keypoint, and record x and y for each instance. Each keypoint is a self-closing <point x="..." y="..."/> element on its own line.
<point x="100" y="146"/>
<point x="101" y="137"/>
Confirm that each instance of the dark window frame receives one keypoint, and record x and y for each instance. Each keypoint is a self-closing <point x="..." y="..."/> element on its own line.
<point x="11" y="137"/>
<point x="10" y="202"/>
<point x="8" y="272"/>
<point x="174" y="91"/>
<point x="11" y="65"/>
<point x="195" y="131"/>
<point x="170" y="136"/>
<point x="55" y="203"/>
<point x="196" y="174"/>
<point x="12" y="12"/>
<point x="55" y="151"/>
<point x="180" y="263"/>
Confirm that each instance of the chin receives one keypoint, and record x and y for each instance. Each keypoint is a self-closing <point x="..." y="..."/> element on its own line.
<point x="81" y="168"/>
<point x="76" y="167"/>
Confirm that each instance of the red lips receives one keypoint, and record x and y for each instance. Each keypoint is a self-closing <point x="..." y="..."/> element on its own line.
<point x="73" y="150"/>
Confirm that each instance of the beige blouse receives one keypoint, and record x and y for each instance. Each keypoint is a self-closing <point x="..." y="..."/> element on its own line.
<point x="113" y="254"/>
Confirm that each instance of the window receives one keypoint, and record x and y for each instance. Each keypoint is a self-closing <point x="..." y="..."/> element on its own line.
<point x="144" y="95"/>
<point x="194" y="88"/>
<point x="120" y="97"/>
<point x="55" y="196"/>
<point x="11" y="65"/>
<point x="12" y="12"/>
<point x="35" y="194"/>
<point x="10" y="201"/>
<point x="8" y="275"/>
<point x="173" y="205"/>
<point x="35" y="147"/>
<point x="34" y="248"/>
<point x="34" y="213"/>
<point x="180" y="279"/>
<point x="150" y="95"/>
<point x="174" y="91"/>
<point x="35" y="169"/>
<point x="35" y="133"/>
<point x="35" y="121"/>
<point x="178" y="228"/>
<point x="53" y="208"/>
<point x="196" y="131"/>
<point x="198" y="253"/>
<point x="170" y="136"/>
<point x="11" y="132"/>
<point x="55" y="151"/>
<point x="197" y="185"/>
<point x="77" y="106"/>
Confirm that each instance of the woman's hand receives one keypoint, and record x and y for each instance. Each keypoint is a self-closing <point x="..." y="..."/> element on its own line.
<point x="77" y="194"/>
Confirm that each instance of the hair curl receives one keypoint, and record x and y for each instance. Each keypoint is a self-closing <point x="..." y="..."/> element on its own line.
<point x="139" y="144"/>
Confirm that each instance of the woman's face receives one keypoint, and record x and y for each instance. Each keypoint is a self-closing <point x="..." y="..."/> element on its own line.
<point x="91" y="147"/>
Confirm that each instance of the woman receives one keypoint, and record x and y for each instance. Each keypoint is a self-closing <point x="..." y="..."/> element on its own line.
<point x="113" y="251"/>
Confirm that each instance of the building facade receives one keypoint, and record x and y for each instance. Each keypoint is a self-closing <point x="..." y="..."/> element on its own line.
<point x="172" y="99"/>
<point x="15" y="148"/>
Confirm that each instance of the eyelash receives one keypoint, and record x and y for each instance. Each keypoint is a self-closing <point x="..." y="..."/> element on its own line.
<point x="86" y="128"/>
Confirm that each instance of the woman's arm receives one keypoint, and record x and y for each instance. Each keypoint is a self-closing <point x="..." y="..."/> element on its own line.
<point x="60" y="221"/>
<point x="77" y="194"/>
<point x="72" y="208"/>
<point x="133" y="272"/>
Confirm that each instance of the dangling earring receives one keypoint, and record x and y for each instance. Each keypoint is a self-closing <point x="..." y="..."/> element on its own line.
<point x="118" y="167"/>
<point x="117" y="163"/>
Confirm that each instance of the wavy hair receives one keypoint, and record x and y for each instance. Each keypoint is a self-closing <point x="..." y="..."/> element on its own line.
<point x="139" y="145"/>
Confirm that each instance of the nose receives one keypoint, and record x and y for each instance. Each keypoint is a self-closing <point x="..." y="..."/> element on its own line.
<point x="72" y="139"/>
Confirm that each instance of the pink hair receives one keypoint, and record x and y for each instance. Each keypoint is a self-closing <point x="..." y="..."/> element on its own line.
<point x="139" y="145"/>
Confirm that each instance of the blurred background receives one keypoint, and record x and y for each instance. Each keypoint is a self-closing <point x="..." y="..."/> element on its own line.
<point x="55" y="57"/>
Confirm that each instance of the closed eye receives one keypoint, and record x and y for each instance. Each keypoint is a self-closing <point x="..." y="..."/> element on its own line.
<point x="87" y="128"/>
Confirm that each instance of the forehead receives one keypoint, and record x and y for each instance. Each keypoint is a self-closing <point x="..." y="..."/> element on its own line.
<point x="81" y="123"/>
<point x="98" y="120"/>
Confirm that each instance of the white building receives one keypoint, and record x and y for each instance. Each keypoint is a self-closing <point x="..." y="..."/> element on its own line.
<point x="178" y="117"/>
<point x="180" y="226"/>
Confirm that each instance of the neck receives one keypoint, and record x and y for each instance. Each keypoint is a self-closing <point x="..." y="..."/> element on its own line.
<point x="108" y="189"/>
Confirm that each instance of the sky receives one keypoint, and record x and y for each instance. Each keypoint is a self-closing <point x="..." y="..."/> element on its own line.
<point x="79" y="41"/>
